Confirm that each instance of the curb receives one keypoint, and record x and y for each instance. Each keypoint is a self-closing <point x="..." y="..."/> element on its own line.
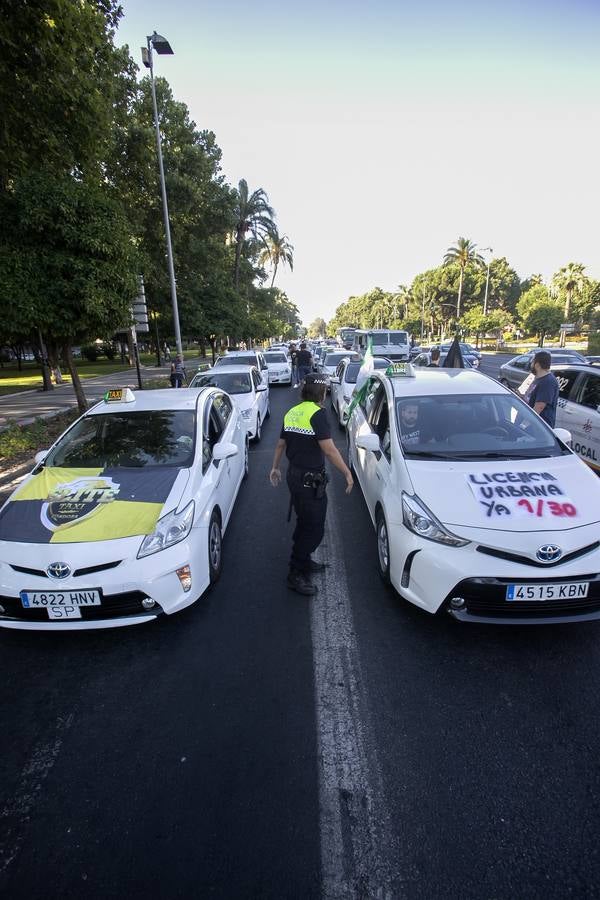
<point x="17" y="472"/>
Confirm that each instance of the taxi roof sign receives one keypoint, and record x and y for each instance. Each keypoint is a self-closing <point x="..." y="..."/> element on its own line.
<point x="119" y="395"/>
<point x="400" y="369"/>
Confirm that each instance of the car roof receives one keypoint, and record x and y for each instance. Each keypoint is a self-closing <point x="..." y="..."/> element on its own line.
<point x="437" y="380"/>
<point x="231" y="370"/>
<point x="238" y="353"/>
<point x="146" y="401"/>
<point x="576" y="366"/>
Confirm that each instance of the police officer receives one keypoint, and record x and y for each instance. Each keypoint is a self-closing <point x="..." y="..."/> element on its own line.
<point x="306" y="439"/>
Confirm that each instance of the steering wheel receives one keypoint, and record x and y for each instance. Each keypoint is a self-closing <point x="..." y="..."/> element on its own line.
<point x="497" y="430"/>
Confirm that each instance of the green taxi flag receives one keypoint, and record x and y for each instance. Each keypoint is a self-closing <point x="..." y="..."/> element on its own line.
<point x="362" y="379"/>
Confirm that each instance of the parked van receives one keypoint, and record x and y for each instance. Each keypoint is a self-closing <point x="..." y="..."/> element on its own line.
<point x="388" y="342"/>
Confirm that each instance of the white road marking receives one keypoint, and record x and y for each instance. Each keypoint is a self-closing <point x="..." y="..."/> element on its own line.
<point x="16" y="813"/>
<point x="359" y="855"/>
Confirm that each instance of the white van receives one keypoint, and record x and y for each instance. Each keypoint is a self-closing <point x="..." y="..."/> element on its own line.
<point x="389" y="342"/>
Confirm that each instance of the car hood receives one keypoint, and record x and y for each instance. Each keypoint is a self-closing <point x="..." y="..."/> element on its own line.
<point x="64" y="506"/>
<point x="509" y="495"/>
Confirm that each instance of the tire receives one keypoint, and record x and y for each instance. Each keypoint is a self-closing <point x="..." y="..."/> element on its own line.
<point x="268" y="412"/>
<point x="215" y="548"/>
<point x="246" y="461"/>
<point x="258" y="433"/>
<point x="383" y="547"/>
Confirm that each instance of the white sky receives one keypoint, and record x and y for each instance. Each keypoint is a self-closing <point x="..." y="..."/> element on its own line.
<point x="381" y="134"/>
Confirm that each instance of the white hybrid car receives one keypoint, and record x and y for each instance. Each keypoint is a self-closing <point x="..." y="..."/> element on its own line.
<point x="248" y="392"/>
<point x="343" y="384"/>
<point x="479" y="507"/>
<point x="279" y="365"/>
<point x="122" y="519"/>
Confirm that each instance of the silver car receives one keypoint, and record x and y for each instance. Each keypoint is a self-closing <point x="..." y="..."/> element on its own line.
<point x="514" y="372"/>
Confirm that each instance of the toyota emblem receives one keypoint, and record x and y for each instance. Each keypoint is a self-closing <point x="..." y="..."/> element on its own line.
<point x="58" y="570"/>
<point x="549" y="553"/>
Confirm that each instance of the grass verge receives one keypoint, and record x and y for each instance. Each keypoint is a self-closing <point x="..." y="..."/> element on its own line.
<point x="18" y="443"/>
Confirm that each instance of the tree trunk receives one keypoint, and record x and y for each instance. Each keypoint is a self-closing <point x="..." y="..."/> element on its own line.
<point x="76" y="380"/>
<point x="460" y="287"/>
<point x="48" y="386"/>
<point x="274" y="274"/>
<point x="212" y="349"/>
<point x="568" y="306"/>
<point x="238" y="253"/>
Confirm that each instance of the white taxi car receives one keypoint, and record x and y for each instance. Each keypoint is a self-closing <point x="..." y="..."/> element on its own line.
<point x="248" y="392"/>
<point x="122" y="518"/>
<point x="279" y="365"/>
<point x="578" y="410"/>
<point x="479" y="507"/>
<point x="343" y="384"/>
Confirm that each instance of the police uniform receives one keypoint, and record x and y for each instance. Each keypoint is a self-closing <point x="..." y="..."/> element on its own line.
<point x="303" y="427"/>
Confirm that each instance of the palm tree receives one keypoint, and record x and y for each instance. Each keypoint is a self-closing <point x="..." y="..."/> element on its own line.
<point x="277" y="251"/>
<point x="570" y="279"/>
<point x="464" y="253"/>
<point x="252" y="213"/>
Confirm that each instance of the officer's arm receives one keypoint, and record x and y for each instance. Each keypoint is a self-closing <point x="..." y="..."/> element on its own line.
<point x="333" y="455"/>
<point x="275" y="473"/>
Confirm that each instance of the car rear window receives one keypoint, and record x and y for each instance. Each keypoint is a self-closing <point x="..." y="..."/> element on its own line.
<point x="132" y="439"/>
<point x="276" y="357"/>
<point x="248" y="359"/>
<point x="231" y="382"/>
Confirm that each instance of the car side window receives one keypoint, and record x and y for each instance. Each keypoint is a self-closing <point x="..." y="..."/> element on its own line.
<point x="262" y="361"/>
<point x="566" y="379"/>
<point x="212" y="431"/>
<point x="255" y="378"/>
<point x="589" y="394"/>
<point x="372" y="397"/>
<point x="380" y="423"/>
<point x="224" y="406"/>
<point x="521" y="362"/>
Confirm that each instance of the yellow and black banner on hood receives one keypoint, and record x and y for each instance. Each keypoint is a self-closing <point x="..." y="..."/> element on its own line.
<point x="66" y="506"/>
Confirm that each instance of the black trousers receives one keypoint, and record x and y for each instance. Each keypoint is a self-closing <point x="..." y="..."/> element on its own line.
<point x="311" y="511"/>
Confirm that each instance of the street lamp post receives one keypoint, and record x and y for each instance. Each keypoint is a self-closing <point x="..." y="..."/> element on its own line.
<point x="487" y="280"/>
<point x="161" y="45"/>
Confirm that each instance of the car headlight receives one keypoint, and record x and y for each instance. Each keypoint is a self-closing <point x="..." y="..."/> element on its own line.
<point x="171" y="529"/>
<point x="422" y="522"/>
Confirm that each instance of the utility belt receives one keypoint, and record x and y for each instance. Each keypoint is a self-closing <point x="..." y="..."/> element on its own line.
<point x="315" y="479"/>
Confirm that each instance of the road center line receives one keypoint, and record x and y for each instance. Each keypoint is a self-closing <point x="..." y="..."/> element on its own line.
<point x="359" y="857"/>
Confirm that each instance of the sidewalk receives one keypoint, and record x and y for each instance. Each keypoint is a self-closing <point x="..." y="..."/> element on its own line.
<point x="25" y="407"/>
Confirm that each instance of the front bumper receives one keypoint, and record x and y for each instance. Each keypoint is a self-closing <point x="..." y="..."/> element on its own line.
<point x="430" y="575"/>
<point x="123" y="580"/>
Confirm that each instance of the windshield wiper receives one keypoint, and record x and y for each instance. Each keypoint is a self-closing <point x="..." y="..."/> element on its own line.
<point x="425" y="454"/>
<point x="486" y="454"/>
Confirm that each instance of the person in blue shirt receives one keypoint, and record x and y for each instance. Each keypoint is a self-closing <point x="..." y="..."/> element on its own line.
<point x="543" y="396"/>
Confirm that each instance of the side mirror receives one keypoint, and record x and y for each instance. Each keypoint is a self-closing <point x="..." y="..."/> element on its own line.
<point x="40" y="456"/>
<point x="563" y="435"/>
<point x="261" y="387"/>
<point x="224" y="450"/>
<point x="368" y="441"/>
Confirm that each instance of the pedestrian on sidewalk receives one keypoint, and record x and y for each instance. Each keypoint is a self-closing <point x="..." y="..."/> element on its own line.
<point x="178" y="375"/>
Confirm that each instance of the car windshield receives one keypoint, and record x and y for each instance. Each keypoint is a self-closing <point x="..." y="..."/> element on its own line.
<point x="559" y="359"/>
<point x="477" y="426"/>
<point x="334" y="359"/>
<point x="397" y="338"/>
<point x="231" y="382"/>
<point x="275" y="357"/>
<point x="128" y="440"/>
<point x="248" y="359"/>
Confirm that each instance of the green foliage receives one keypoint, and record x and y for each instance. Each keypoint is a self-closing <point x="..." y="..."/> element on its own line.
<point x="539" y="314"/>
<point x="318" y="328"/>
<point x="22" y="441"/>
<point x="90" y="353"/>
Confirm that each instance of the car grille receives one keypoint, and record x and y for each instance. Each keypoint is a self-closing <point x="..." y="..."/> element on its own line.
<point x="115" y="606"/>
<point x="41" y="573"/>
<point x="526" y="560"/>
<point x="485" y="597"/>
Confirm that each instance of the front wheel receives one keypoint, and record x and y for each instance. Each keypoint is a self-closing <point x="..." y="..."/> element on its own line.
<point x="258" y="432"/>
<point x="246" y="460"/>
<point x="383" y="547"/>
<point x="215" y="548"/>
<point x="268" y="412"/>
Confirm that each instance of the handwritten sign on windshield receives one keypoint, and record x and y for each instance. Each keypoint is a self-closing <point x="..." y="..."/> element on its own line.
<point x="529" y="495"/>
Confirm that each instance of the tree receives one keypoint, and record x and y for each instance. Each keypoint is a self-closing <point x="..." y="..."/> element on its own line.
<point x="252" y="214"/>
<point x="464" y="253"/>
<point x="568" y="282"/>
<point x="277" y="251"/>
<point x="539" y="314"/>
<point x="67" y="265"/>
<point x="504" y="287"/>
<point x="318" y="328"/>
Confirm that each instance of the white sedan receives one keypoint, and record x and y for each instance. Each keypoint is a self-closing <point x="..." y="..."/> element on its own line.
<point x="122" y="519"/>
<point x="248" y="392"/>
<point x="479" y="507"/>
<point x="279" y="365"/>
<point x="343" y="384"/>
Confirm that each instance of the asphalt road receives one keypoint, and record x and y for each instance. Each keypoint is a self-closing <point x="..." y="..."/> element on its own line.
<point x="265" y="745"/>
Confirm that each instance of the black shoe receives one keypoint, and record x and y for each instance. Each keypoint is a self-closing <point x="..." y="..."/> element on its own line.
<point x="317" y="566"/>
<point x="299" y="583"/>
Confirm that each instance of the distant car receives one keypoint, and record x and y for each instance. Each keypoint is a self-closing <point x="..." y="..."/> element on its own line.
<point x="578" y="410"/>
<point x="246" y="358"/>
<point x="513" y="373"/>
<point x="330" y="360"/>
<point x="468" y="353"/>
<point x="480" y="509"/>
<point x="343" y="384"/>
<point x="593" y="360"/>
<point x="244" y="386"/>
<point x="122" y="518"/>
<point x="279" y="367"/>
<point x="423" y="359"/>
